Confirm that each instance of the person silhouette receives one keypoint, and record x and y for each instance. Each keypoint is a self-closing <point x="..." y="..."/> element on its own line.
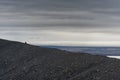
<point x="25" y="42"/>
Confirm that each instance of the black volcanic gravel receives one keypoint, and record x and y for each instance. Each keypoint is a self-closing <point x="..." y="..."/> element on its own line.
<point x="21" y="61"/>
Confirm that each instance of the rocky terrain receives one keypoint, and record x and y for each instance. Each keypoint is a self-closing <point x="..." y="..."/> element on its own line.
<point x="21" y="61"/>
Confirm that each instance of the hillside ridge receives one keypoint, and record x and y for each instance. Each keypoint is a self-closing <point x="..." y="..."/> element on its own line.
<point x="21" y="61"/>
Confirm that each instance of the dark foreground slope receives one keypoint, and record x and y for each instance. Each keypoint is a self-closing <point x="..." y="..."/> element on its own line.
<point x="19" y="61"/>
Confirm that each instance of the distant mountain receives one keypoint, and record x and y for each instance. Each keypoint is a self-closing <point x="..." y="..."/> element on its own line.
<point x="107" y="51"/>
<point x="21" y="61"/>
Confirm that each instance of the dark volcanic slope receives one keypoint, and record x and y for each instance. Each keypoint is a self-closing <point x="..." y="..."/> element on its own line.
<point x="19" y="61"/>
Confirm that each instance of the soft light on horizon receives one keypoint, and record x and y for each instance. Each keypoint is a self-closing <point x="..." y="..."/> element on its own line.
<point x="41" y="36"/>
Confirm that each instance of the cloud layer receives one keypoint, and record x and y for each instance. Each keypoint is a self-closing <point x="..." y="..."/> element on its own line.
<point x="70" y="22"/>
<point x="42" y="13"/>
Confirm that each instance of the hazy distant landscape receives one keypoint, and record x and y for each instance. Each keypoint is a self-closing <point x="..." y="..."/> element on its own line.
<point x="107" y="51"/>
<point x="112" y="52"/>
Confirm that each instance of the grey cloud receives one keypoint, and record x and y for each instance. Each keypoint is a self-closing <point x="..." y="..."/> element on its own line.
<point x="69" y="13"/>
<point x="66" y="4"/>
<point x="31" y="5"/>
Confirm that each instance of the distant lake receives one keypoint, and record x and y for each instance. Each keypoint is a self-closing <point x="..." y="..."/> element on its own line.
<point x="107" y="51"/>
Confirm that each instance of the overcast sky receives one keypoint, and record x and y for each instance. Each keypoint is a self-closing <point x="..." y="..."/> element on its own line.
<point x="61" y="22"/>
